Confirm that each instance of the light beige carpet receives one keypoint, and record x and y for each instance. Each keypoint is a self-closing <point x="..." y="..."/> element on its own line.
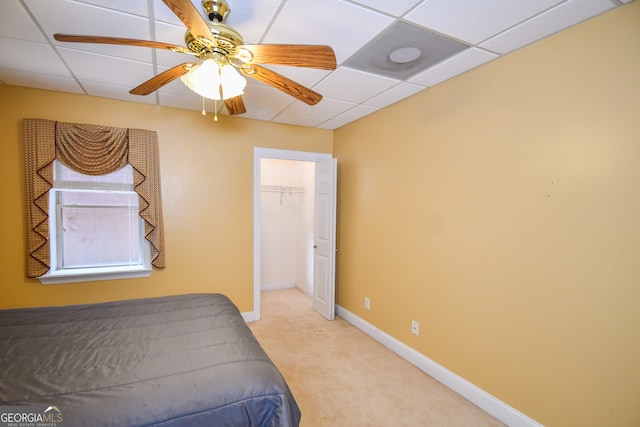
<point x="341" y="377"/>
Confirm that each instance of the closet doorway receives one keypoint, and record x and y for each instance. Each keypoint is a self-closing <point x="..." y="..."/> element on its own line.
<point x="291" y="224"/>
<point x="286" y="224"/>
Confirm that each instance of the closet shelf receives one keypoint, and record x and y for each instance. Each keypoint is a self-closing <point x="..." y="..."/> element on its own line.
<point x="281" y="189"/>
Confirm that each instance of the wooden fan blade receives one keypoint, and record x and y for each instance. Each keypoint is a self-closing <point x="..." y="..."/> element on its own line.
<point x="286" y="85"/>
<point x="297" y="55"/>
<point x="120" y="41"/>
<point x="187" y="13"/>
<point x="235" y="105"/>
<point x="161" y="79"/>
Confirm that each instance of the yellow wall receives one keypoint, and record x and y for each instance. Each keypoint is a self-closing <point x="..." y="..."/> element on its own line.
<point x="207" y="185"/>
<point x="501" y="210"/>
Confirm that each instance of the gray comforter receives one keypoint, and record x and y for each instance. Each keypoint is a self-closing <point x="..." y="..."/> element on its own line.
<point x="187" y="360"/>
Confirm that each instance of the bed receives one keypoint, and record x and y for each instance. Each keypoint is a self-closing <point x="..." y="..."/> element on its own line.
<point x="187" y="360"/>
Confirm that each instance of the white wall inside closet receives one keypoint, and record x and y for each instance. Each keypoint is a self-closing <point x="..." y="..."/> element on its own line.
<point x="286" y="224"/>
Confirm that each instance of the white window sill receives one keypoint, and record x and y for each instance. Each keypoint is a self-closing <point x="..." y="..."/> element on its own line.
<point x="92" y="274"/>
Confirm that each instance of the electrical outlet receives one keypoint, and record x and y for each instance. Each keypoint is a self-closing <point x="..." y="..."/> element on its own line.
<point x="367" y="303"/>
<point x="415" y="327"/>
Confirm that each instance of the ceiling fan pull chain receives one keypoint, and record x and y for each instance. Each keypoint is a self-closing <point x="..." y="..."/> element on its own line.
<point x="204" y="113"/>
<point x="215" y="110"/>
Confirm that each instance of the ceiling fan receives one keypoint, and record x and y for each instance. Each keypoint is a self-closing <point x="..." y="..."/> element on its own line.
<point x="222" y="53"/>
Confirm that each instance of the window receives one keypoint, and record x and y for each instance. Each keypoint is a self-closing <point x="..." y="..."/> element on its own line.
<point x="96" y="232"/>
<point x="82" y="225"/>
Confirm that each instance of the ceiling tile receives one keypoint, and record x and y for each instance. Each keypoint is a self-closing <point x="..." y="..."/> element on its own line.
<point x="307" y="22"/>
<point x="248" y="17"/>
<point x="474" y="21"/>
<point x="25" y="55"/>
<point x="305" y="76"/>
<point x="299" y="120"/>
<point x="131" y="53"/>
<point x="169" y="33"/>
<point x="258" y="113"/>
<point x="40" y="81"/>
<point x="186" y="102"/>
<point x="161" y="12"/>
<point x="166" y="59"/>
<point x="346" y="84"/>
<point x="92" y="20"/>
<point x="549" y="22"/>
<point x="134" y="7"/>
<point x="332" y="124"/>
<point x="178" y="88"/>
<point x="395" y="94"/>
<point x="116" y="92"/>
<point x="95" y="68"/>
<point x="16" y="23"/>
<point x="174" y="34"/>
<point x="327" y="108"/>
<point x="460" y="63"/>
<point x="395" y="8"/>
<point x="357" y="112"/>
<point x="266" y="97"/>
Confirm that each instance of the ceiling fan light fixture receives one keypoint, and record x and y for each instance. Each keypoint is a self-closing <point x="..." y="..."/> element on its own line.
<point x="232" y="82"/>
<point x="204" y="79"/>
<point x="207" y="78"/>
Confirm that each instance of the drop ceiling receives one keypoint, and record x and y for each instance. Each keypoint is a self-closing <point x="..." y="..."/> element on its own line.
<point x="361" y="32"/>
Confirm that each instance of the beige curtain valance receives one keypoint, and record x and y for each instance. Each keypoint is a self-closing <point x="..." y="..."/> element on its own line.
<point x="90" y="150"/>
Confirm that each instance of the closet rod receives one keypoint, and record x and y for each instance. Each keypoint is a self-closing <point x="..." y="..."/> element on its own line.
<point x="281" y="189"/>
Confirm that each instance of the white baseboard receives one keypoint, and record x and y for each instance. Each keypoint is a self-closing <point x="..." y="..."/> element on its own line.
<point x="276" y="286"/>
<point x="479" y="397"/>
<point x="249" y="316"/>
<point x="305" y="289"/>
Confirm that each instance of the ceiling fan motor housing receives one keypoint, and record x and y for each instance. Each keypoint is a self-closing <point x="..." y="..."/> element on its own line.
<point x="226" y="38"/>
<point x="216" y="10"/>
<point x="225" y="41"/>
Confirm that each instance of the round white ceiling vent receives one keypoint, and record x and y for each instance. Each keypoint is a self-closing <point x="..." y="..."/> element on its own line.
<point x="404" y="55"/>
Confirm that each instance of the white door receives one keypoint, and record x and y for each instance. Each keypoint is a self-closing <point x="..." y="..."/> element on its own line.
<point x="324" y="263"/>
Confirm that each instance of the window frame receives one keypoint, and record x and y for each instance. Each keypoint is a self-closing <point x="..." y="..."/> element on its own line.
<point x="59" y="275"/>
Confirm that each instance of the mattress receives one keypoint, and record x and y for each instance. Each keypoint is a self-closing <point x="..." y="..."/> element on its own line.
<point x="187" y="360"/>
